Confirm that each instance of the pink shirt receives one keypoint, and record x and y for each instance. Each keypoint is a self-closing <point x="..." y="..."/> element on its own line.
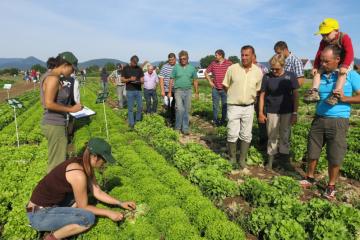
<point x="218" y="70"/>
<point x="150" y="81"/>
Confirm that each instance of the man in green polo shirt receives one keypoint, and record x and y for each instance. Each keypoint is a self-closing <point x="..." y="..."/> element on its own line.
<point x="183" y="76"/>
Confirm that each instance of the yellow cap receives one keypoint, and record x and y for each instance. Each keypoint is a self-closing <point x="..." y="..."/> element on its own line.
<point x="327" y="26"/>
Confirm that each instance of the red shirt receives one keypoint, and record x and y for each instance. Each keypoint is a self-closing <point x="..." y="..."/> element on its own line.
<point x="347" y="51"/>
<point x="218" y="70"/>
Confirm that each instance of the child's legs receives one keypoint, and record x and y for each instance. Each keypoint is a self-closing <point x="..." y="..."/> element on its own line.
<point x="342" y="78"/>
<point x="317" y="77"/>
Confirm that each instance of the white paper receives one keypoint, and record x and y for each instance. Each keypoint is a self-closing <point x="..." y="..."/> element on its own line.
<point x="85" y="112"/>
<point x="7" y="86"/>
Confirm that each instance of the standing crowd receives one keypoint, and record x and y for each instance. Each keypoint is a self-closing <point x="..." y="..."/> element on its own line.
<point x="240" y="91"/>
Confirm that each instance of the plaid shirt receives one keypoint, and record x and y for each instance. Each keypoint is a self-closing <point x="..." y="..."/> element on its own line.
<point x="294" y="64"/>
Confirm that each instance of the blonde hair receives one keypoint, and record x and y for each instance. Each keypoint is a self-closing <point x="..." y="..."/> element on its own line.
<point x="277" y="59"/>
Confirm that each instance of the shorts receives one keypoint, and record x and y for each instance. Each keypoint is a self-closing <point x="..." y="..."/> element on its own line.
<point x="53" y="218"/>
<point x="329" y="131"/>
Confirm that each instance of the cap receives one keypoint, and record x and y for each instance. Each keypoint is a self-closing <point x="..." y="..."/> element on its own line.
<point x="327" y="26"/>
<point x="70" y="58"/>
<point x="100" y="147"/>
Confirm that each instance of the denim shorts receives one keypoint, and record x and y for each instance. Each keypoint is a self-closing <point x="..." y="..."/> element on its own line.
<point x="54" y="218"/>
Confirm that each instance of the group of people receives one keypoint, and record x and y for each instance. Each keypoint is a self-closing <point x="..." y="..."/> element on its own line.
<point x="59" y="203"/>
<point x="31" y="76"/>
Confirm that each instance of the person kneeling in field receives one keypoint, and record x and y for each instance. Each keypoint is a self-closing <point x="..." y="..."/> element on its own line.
<point x="331" y="122"/>
<point x="48" y="209"/>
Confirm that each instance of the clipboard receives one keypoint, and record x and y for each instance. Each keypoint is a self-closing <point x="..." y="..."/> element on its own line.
<point x="85" y="112"/>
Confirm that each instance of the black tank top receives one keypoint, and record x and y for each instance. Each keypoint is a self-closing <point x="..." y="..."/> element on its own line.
<point x="54" y="189"/>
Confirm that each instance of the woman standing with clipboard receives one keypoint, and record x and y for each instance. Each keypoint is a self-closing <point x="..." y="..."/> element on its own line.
<point x="55" y="99"/>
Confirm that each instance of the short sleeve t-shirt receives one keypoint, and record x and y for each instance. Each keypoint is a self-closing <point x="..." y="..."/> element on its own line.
<point x="165" y="73"/>
<point x="327" y="85"/>
<point x="183" y="76"/>
<point x="137" y="72"/>
<point x="279" y="92"/>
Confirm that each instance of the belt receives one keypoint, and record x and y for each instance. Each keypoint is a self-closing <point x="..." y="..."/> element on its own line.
<point x="242" y="105"/>
<point x="33" y="209"/>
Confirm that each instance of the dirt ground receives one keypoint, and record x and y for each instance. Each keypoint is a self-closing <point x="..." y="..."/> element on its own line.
<point x="17" y="89"/>
<point x="348" y="190"/>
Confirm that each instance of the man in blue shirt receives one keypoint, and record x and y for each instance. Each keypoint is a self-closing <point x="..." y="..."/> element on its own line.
<point x="331" y="122"/>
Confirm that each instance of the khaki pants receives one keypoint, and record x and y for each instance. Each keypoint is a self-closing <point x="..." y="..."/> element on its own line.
<point x="57" y="144"/>
<point x="240" y="123"/>
<point x="278" y="130"/>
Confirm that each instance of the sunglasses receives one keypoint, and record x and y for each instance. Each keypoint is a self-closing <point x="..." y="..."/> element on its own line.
<point x="183" y="58"/>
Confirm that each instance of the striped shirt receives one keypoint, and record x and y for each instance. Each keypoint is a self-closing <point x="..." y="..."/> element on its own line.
<point x="218" y="70"/>
<point x="294" y="64"/>
<point x="165" y="73"/>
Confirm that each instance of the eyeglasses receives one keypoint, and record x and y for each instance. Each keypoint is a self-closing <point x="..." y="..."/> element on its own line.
<point x="183" y="58"/>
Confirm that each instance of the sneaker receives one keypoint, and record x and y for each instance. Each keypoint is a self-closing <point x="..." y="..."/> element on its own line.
<point x="332" y="100"/>
<point x="311" y="95"/>
<point x="307" y="182"/>
<point x="330" y="192"/>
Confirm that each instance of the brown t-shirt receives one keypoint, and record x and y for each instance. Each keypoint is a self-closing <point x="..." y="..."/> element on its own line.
<point x="53" y="189"/>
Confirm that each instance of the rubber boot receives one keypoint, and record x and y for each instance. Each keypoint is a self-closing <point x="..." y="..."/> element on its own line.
<point x="232" y="152"/>
<point x="269" y="164"/>
<point x="244" y="148"/>
<point x="285" y="162"/>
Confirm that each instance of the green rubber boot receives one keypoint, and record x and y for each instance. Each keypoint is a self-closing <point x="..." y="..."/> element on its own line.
<point x="244" y="148"/>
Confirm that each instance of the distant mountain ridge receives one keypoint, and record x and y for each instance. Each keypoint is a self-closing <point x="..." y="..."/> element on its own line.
<point x="20" y="63"/>
<point x="27" y="63"/>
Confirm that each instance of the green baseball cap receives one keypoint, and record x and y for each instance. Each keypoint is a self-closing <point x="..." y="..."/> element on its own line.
<point x="70" y="58"/>
<point x="100" y="147"/>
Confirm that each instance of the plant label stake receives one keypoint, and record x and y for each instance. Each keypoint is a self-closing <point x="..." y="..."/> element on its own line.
<point x="7" y="86"/>
<point x="101" y="98"/>
<point x="14" y="103"/>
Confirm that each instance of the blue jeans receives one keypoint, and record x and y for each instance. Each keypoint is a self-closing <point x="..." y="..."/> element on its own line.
<point x="104" y="86"/>
<point x="133" y="96"/>
<point x="183" y="106"/>
<point x="151" y="100"/>
<point x="218" y="95"/>
<point x="53" y="218"/>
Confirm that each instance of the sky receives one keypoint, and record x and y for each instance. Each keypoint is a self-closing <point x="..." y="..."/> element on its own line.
<point x="152" y="29"/>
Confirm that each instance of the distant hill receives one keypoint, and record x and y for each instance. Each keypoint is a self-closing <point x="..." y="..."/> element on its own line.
<point x="194" y="63"/>
<point x="20" y="63"/>
<point x="357" y="61"/>
<point x="27" y="63"/>
<point x="99" y="62"/>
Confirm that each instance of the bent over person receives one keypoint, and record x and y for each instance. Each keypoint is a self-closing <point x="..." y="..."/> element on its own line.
<point x="242" y="82"/>
<point x="51" y="209"/>
<point x="331" y="122"/>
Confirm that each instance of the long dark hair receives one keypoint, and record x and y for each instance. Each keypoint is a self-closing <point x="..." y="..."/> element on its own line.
<point x="89" y="170"/>
<point x="55" y="62"/>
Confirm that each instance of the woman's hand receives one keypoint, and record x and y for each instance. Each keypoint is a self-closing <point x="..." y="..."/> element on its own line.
<point x="128" y="205"/>
<point x="77" y="107"/>
<point x="115" y="216"/>
<point x="262" y="118"/>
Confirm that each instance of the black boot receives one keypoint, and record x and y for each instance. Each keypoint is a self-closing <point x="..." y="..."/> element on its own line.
<point x="285" y="162"/>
